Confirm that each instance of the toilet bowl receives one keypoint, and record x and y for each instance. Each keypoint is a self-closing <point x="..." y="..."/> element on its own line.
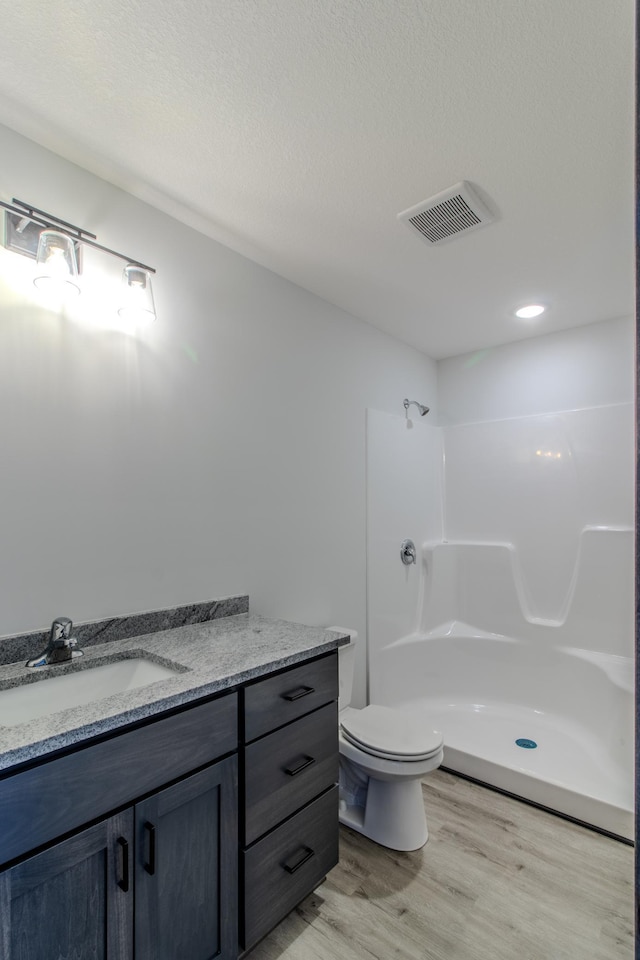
<point x="384" y="754"/>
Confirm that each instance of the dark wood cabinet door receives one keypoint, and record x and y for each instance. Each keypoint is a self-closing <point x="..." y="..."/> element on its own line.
<point x="186" y="868"/>
<point x="74" y="899"/>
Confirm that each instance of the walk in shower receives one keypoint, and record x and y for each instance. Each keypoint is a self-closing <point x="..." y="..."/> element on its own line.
<point x="515" y="624"/>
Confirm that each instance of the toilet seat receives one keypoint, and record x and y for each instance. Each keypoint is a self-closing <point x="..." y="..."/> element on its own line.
<point x="391" y="734"/>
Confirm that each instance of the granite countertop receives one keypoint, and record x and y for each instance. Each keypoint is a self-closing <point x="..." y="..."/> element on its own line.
<point x="210" y="657"/>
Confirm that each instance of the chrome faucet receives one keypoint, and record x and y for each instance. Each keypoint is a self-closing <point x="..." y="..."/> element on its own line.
<point x="62" y="646"/>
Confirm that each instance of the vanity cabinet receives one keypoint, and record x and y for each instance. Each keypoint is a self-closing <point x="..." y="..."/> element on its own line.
<point x="157" y="880"/>
<point x="174" y="853"/>
<point x="139" y="845"/>
<point x="289" y="761"/>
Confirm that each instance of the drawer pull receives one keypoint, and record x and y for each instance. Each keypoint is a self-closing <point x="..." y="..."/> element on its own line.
<point x="123" y="882"/>
<point x="150" y="863"/>
<point x="304" y="763"/>
<point x="306" y="856"/>
<point x="298" y="693"/>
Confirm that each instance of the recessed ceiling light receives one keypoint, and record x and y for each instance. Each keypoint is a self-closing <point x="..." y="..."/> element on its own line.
<point x="530" y="311"/>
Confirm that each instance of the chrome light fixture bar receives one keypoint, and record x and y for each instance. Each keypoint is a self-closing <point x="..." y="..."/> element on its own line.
<point x="20" y="214"/>
<point x="56" y="245"/>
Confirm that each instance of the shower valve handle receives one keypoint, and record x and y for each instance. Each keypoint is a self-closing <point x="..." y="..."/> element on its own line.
<point x="408" y="552"/>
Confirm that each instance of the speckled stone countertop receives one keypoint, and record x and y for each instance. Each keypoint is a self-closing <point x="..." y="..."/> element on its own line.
<point x="209" y="657"/>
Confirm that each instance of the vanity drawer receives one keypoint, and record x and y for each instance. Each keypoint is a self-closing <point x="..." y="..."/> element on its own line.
<point x="270" y="703"/>
<point x="288" y="768"/>
<point x="283" y="867"/>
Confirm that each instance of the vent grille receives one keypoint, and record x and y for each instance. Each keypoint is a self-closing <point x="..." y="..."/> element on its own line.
<point x="454" y="211"/>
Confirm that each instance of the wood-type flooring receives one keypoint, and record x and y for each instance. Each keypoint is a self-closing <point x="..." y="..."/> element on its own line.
<point x="497" y="880"/>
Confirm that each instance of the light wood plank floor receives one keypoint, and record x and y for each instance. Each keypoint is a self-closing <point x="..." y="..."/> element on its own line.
<point x="497" y="880"/>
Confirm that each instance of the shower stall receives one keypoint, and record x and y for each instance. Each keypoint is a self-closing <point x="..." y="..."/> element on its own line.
<point x="515" y="624"/>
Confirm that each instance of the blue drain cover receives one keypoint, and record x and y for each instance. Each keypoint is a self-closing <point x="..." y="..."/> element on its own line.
<point x="527" y="744"/>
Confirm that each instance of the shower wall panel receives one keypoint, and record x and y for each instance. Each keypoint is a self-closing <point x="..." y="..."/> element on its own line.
<point x="544" y="508"/>
<point x="404" y="501"/>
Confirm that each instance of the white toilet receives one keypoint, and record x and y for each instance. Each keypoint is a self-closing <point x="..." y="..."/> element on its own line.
<point x="384" y="753"/>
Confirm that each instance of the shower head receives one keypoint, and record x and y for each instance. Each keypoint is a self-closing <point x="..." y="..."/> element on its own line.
<point x="423" y="410"/>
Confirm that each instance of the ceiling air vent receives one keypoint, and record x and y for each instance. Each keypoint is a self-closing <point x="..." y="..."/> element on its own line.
<point x="448" y="214"/>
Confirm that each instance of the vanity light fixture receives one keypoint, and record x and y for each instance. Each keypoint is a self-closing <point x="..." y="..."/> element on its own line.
<point x="530" y="311"/>
<point x="56" y="246"/>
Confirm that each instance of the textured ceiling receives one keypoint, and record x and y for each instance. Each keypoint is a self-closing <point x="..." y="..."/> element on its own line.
<point x="295" y="131"/>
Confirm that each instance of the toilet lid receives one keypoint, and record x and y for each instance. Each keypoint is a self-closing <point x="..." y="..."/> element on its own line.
<point x="391" y="733"/>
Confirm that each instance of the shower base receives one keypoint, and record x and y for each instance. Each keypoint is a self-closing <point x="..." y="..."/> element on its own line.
<point x="569" y="771"/>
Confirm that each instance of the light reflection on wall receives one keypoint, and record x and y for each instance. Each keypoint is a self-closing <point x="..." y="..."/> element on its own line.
<point x="97" y="308"/>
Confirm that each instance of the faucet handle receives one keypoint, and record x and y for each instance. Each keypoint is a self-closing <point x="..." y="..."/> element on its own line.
<point x="61" y="632"/>
<point x="408" y="552"/>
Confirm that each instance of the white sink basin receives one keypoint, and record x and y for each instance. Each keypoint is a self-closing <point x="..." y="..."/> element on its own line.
<point x="42" y="697"/>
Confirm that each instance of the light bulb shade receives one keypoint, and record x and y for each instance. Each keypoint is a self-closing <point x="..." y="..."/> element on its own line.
<point x="56" y="264"/>
<point x="137" y="305"/>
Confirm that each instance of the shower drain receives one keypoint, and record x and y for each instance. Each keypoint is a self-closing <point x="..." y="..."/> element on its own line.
<point x="526" y="744"/>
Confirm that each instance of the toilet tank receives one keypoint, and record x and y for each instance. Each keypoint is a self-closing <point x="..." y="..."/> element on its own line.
<point x="346" y="666"/>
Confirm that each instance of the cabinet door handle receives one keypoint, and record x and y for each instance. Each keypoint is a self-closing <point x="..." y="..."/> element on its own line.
<point x="306" y="856"/>
<point x="304" y="763"/>
<point x="123" y="882"/>
<point x="150" y="833"/>
<point x="298" y="693"/>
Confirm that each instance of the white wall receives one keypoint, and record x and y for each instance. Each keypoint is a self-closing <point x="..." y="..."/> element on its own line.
<point x="221" y="451"/>
<point x="587" y="366"/>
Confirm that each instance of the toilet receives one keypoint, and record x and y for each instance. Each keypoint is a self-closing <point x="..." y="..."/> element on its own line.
<point x="384" y="754"/>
